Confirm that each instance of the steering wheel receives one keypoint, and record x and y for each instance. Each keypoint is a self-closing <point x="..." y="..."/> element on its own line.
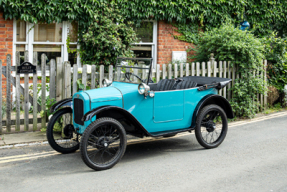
<point x="129" y="74"/>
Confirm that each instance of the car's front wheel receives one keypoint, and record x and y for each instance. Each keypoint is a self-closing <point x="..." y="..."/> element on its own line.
<point x="103" y="143"/>
<point x="211" y="126"/>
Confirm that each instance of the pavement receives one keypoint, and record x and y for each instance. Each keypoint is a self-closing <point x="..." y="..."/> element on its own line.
<point x="251" y="158"/>
<point x="39" y="138"/>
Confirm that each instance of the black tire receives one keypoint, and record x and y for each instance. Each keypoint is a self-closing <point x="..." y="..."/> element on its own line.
<point x="61" y="135"/>
<point x="211" y="119"/>
<point x="105" y="137"/>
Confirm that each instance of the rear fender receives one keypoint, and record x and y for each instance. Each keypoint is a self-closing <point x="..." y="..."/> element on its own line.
<point x="216" y="100"/>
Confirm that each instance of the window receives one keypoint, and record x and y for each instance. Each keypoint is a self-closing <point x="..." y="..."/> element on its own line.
<point x="147" y="45"/>
<point x="45" y="38"/>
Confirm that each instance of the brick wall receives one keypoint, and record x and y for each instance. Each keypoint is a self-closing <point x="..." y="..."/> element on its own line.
<point x="6" y="44"/>
<point x="167" y="43"/>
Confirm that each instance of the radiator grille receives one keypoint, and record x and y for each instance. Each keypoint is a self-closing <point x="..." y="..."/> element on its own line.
<point x="78" y="111"/>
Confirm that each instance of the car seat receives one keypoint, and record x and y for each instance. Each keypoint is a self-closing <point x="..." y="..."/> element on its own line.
<point x="165" y="85"/>
<point x="185" y="84"/>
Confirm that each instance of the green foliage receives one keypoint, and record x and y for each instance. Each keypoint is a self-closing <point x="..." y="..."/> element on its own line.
<point x="246" y="53"/>
<point x="276" y="55"/>
<point x="192" y="16"/>
<point x="108" y="36"/>
<point x="188" y="32"/>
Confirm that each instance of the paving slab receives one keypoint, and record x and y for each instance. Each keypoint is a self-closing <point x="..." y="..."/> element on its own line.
<point x="27" y="137"/>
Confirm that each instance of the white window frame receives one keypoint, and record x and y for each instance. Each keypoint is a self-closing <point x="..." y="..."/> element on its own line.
<point x="153" y="44"/>
<point x="29" y="43"/>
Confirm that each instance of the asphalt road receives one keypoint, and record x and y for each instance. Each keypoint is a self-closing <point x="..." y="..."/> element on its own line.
<point x="253" y="157"/>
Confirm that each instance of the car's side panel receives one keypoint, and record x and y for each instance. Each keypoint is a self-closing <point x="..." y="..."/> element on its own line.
<point x="143" y="108"/>
<point x="168" y="106"/>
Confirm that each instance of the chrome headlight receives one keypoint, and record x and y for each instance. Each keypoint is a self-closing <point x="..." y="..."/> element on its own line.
<point x="106" y="82"/>
<point x="143" y="89"/>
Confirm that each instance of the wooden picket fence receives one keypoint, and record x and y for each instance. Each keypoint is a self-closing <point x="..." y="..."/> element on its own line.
<point x="63" y="84"/>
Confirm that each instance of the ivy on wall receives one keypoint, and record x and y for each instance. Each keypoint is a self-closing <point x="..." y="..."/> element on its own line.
<point x="264" y="15"/>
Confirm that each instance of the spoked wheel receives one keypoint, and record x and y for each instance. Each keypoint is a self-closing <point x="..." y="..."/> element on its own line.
<point x="211" y="126"/>
<point x="103" y="144"/>
<point x="60" y="132"/>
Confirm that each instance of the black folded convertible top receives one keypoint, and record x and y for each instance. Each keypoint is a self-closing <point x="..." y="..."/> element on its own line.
<point x="205" y="80"/>
<point x="208" y="82"/>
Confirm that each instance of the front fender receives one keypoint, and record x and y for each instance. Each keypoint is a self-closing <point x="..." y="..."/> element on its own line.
<point x="213" y="99"/>
<point x="65" y="102"/>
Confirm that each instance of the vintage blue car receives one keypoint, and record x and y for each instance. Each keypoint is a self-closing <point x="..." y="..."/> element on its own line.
<point x="98" y="120"/>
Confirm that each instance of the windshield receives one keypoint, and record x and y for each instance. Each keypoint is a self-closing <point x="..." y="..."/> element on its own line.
<point x="133" y="70"/>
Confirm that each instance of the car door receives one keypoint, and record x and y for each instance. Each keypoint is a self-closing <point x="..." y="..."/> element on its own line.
<point x="168" y="106"/>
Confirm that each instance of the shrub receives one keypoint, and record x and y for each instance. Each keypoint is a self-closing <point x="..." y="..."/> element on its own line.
<point x="246" y="53"/>
<point x="276" y="55"/>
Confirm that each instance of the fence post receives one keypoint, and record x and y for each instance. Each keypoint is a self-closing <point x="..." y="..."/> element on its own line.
<point x="187" y="69"/>
<point x="118" y="74"/>
<point x="197" y="68"/>
<point x="233" y="78"/>
<point x="52" y="79"/>
<point x="18" y="93"/>
<point x="265" y="84"/>
<point x="75" y="78"/>
<point x="192" y="69"/>
<point x="203" y="69"/>
<point x="35" y="95"/>
<point x="220" y="75"/>
<point x="229" y="76"/>
<point x="1" y="97"/>
<point x="169" y="71"/>
<point x="163" y="71"/>
<point x="93" y="77"/>
<point x="59" y="78"/>
<point x="8" y="94"/>
<point x="175" y="70"/>
<point x="26" y="96"/>
<point x="111" y="73"/>
<point x="181" y="69"/>
<point x="84" y="76"/>
<point x="157" y="73"/>
<point x="224" y="76"/>
<point x="208" y="69"/>
<point x="211" y="59"/>
<point x="43" y="63"/>
<point x="68" y="80"/>
<point x="102" y="70"/>
<point x="214" y="69"/>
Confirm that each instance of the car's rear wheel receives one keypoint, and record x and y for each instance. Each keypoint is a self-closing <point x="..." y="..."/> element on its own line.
<point x="61" y="133"/>
<point x="211" y="126"/>
<point x="103" y="143"/>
